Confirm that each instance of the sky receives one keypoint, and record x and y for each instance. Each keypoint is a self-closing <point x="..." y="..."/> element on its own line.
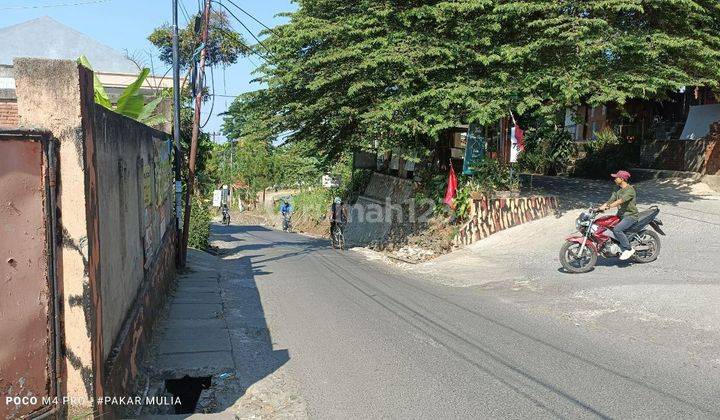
<point x="125" y="25"/>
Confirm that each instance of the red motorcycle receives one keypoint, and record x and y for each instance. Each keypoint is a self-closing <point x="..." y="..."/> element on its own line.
<point x="580" y="252"/>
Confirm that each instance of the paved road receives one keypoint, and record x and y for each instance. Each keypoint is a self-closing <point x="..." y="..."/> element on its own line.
<point x="670" y="303"/>
<point x="366" y="340"/>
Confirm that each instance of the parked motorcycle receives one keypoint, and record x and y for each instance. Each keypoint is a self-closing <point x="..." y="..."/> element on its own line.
<point x="580" y="252"/>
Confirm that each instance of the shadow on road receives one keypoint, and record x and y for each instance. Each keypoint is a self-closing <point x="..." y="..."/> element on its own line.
<point x="574" y="193"/>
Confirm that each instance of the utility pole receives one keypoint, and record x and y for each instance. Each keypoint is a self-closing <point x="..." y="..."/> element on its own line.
<point x="176" y="129"/>
<point x="196" y="129"/>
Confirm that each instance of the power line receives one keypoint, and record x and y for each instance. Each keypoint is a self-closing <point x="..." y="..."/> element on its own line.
<point x="212" y="104"/>
<point x="184" y="11"/>
<point x="244" y="26"/>
<point x="251" y="16"/>
<point x="42" y="6"/>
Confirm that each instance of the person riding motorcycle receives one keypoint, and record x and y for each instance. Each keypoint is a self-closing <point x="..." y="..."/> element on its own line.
<point x="625" y="199"/>
<point x="338" y="214"/>
<point x="286" y="211"/>
<point x="225" y="213"/>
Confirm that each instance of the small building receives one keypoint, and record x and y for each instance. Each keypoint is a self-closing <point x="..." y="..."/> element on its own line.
<point x="30" y="39"/>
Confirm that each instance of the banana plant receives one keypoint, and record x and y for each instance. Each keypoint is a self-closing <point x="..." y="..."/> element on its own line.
<point x="131" y="102"/>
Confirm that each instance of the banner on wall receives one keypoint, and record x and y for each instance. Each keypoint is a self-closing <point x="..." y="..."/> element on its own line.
<point x="475" y="148"/>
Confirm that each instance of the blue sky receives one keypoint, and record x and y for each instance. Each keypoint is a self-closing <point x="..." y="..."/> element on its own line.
<point x="125" y="25"/>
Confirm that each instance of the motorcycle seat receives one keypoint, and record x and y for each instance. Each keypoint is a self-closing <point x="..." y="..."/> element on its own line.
<point x="644" y="218"/>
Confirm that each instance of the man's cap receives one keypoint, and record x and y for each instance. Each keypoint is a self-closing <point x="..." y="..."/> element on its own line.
<point x="624" y="175"/>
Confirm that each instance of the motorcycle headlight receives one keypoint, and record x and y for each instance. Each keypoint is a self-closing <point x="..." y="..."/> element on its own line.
<point x="577" y="224"/>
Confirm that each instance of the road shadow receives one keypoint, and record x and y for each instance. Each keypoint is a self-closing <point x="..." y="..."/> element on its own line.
<point x="253" y="353"/>
<point x="575" y="193"/>
<point x="274" y="245"/>
<point x="213" y="342"/>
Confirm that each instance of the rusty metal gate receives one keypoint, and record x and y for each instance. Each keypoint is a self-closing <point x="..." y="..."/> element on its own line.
<point x="28" y="285"/>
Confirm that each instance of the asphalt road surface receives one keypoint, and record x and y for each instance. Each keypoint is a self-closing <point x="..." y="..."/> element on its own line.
<point x="366" y="340"/>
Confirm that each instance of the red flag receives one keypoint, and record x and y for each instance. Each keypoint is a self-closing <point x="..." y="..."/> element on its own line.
<point x="520" y="137"/>
<point x="451" y="191"/>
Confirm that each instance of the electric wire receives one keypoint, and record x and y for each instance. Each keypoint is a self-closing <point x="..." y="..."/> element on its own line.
<point x="251" y="16"/>
<point x="184" y="11"/>
<point x="212" y="104"/>
<point x="244" y="26"/>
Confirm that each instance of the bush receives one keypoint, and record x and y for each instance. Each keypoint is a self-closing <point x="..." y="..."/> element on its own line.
<point x="605" y="154"/>
<point x="548" y="151"/>
<point x="199" y="232"/>
<point x="312" y="204"/>
<point x="490" y="176"/>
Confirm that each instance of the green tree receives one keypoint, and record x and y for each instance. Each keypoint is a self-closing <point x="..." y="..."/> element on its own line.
<point x="224" y="44"/>
<point x="345" y="76"/>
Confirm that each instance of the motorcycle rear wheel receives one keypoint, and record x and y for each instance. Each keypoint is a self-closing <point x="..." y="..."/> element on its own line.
<point x="574" y="263"/>
<point x="652" y="241"/>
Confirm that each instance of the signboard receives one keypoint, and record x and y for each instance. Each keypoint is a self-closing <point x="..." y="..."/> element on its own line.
<point x="217" y="198"/>
<point x="331" y="181"/>
<point x="474" y="149"/>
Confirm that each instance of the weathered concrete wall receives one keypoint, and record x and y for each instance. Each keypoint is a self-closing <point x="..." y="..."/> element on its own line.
<point x="122" y="365"/>
<point x="701" y="156"/>
<point x="57" y="96"/>
<point x="373" y="216"/>
<point x="491" y="215"/>
<point x="116" y="216"/>
<point x="135" y="210"/>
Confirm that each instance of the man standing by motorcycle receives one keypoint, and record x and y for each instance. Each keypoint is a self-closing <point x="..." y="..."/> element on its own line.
<point x="626" y="201"/>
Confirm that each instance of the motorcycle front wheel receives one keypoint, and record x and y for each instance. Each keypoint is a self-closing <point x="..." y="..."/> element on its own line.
<point x="574" y="263"/>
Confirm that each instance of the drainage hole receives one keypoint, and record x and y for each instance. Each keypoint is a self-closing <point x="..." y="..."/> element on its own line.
<point x="188" y="390"/>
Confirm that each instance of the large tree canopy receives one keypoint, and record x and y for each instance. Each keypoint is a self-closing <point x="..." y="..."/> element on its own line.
<point x="344" y="75"/>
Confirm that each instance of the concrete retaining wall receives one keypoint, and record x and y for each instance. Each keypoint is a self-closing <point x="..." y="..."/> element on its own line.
<point x="373" y="215"/>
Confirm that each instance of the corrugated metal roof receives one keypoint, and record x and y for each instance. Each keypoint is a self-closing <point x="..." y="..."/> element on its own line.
<point x="47" y="38"/>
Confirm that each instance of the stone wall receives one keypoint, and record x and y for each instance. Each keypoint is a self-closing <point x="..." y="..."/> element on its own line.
<point x="491" y="215"/>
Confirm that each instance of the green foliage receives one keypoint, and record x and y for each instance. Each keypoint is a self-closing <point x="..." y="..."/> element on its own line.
<point x="223" y="48"/>
<point x="490" y="176"/>
<point x="312" y="204"/>
<point x="199" y="232"/>
<point x="605" y="154"/>
<point x="356" y="185"/>
<point x="343" y="75"/>
<point x="463" y="201"/>
<point x="548" y="150"/>
<point x="101" y="97"/>
<point x="131" y="102"/>
<point x="295" y="167"/>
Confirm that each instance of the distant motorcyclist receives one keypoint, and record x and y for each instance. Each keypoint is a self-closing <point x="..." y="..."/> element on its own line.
<point x="338" y="214"/>
<point x="225" y="214"/>
<point x="625" y="200"/>
<point x="286" y="212"/>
